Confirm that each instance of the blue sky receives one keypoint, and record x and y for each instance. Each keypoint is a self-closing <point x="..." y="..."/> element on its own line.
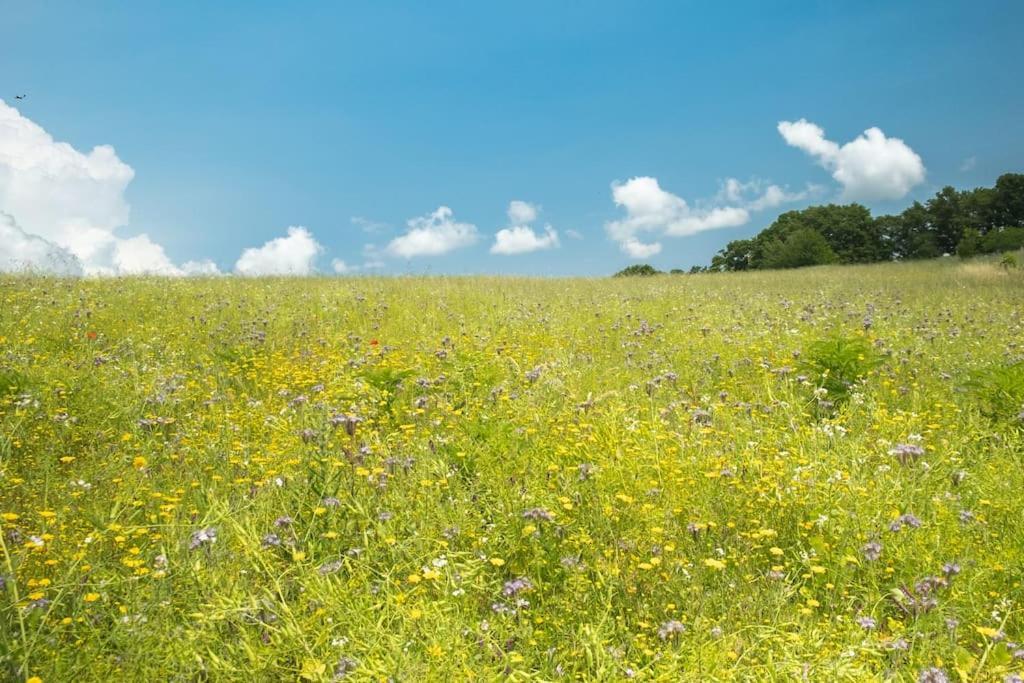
<point x="239" y="120"/>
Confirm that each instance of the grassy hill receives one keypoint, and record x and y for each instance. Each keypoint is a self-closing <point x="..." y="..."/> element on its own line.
<point x="810" y="473"/>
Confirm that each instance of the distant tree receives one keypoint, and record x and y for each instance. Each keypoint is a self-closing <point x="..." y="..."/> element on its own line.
<point x="982" y="220"/>
<point x="638" y="269"/>
<point x="697" y="269"/>
<point x="1004" y="239"/>
<point x="1008" y="201"/>
<point x="970" y="244"/>
<point x="735" y="256"/>
<point x="802" y="247"/>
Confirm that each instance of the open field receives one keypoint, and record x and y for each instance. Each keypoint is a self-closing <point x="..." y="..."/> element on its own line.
<point x="472" y="478"/>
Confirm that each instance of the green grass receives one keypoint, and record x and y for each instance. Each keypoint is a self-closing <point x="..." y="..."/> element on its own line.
<point x="667" y="437"/>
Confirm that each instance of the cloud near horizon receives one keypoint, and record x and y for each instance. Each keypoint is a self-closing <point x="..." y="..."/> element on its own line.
<point x="70" y="200"/>
<point x="869" y="167"/>
<point x="432" y="235"/>
<point x="520" y="237"/>
<point x="293" y="254"/>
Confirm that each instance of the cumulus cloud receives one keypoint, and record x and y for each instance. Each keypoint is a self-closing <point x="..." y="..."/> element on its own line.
<point x="72" y="201"/>
<point x="293" y="254"/>
<point x="520" y="212"/>
<point x="634" y="248"/>
<point x="520" y="237"/>
<point x="869" y="167"/>
<point x="649" y="208"/>
<point x="757" y="194"/>
<point x="20" y="251"/>
<point x="200" y="268"/>
<point x="434" y="234"/>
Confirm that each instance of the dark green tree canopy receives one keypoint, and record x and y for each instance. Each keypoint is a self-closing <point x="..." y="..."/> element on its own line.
<point x="966" y="222"/>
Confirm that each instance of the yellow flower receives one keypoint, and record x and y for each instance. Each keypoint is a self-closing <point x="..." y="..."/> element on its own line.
<point x="714" y="564"/>
<point x="496" y="561"/>
<point x="138" y="462"/>
<point x="414" y="578"/>
<point x="91" y="597"/>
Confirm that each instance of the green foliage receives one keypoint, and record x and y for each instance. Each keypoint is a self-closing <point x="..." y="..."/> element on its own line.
<point x="1004" y="239"/>
<point x="967" y="222"/>
<point x="838" y="363"/>
<point x="638" y="269"/>
<point x="1009" y="261"/>
<point x="999" y="392"/>
<point x="970" y="244"/>
<point x="803" y="247"/>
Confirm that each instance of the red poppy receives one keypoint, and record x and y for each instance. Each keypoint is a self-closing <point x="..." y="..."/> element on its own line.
<point x="374" y="342"/>
<point x="90" y="335"/>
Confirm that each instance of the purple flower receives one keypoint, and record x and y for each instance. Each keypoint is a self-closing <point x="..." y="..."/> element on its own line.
<point x="872" y="551"/>
<point x="670" y="629"/>
<point x="207" y="536"/>
<point x="516" y="586"/>
<point x="932" y="675"/>
<point x="906" y="453"/>
<point x="866" y="623"/>
<point x="538" y="515"/>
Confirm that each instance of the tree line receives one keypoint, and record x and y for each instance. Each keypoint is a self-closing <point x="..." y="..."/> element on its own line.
<point x="964" y="222"/>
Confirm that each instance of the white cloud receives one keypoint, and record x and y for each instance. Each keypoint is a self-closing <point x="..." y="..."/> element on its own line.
<point x="20" y="251"/>
<point x="434" y="234"/>
<point x="520" y="237"/>
<point x="293" y="254"/>
<point x="340" y="267"/>
<point x="574" y="234"/>
<point x="71" y="200"/>
<point x="634" y="248"/>
<point x="871" y="166"/>
<point x="204" y="267"/>
<point x="649" y="208"/>
<point x="757" y="194"/>
<point x="968" y="164"/>
<point x="368" y="226"/>
<point x="139" y="255"/>
<point x="521" y="213"/>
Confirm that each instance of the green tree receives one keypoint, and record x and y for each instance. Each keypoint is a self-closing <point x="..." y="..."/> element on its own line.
<point x="970" y="244"/>
<point x="802" y="247"/>
<point x="1008" y="200"/>
<point x="1003" y="239"/>
<point x="638" y="269"/>
<point x="735" y="256"/>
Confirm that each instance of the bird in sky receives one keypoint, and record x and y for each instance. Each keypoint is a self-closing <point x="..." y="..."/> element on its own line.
<point x="20" y="97"/>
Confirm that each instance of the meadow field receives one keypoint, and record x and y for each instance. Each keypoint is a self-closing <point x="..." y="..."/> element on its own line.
<point x="806" y="475"/>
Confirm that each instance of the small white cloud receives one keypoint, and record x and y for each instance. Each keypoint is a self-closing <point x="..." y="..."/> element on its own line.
<point x="521" y="239"/>
<point x="293" y="254"/>
<point x="757" y="194"/>
<point x="200" y="268"/>
<point x="434" y="234"/>
<point x="368" y="226"/>
<point x="649" y="208"/>
<point x="634" y="248"/>
<point x="574" y="234"/>
<point x="20" y="251"/>
<point x="140" y="255"/>
<point x="521" y="213"/>
<point x="968" y="164"/>
<point x="341" y="268"/>
<point x="870" y="167"/>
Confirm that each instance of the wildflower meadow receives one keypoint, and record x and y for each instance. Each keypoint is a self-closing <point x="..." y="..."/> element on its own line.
<point x="806" y="475"/>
